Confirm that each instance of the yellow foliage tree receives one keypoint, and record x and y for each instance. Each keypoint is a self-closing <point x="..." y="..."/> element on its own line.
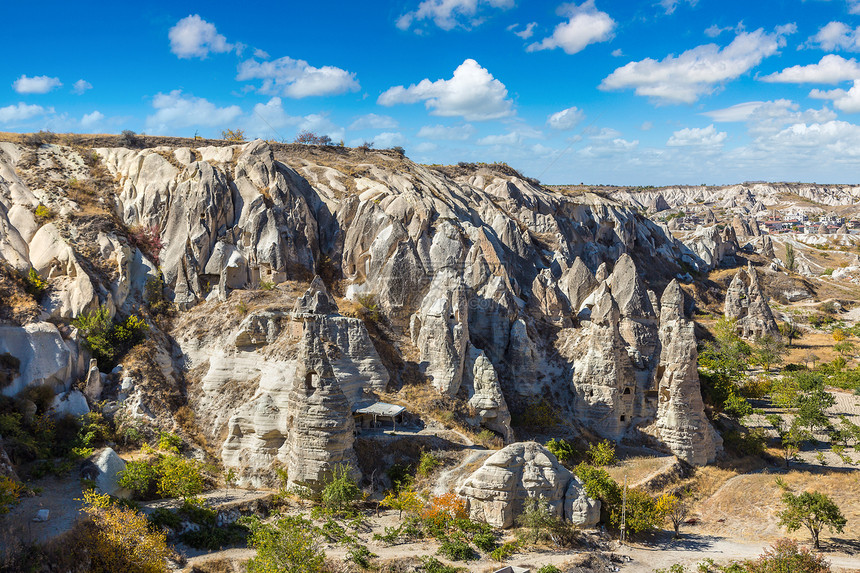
<point x="673" y="508"/>
<point x="406" y="500"/>
<point x="121" y="539"/>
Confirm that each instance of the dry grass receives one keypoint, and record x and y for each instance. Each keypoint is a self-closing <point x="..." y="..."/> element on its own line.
<point x="638" y="468"/>
<point x="818" y="343"/>
<point x="746" y="505"/>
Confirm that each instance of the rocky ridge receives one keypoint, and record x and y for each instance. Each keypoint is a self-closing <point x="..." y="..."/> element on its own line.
<point x="504" y="293"/>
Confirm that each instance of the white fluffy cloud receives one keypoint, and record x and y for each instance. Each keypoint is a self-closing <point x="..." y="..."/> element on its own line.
<point x="473" y="93"/>
<point x="270" y="120"/>
<point x="453" y="133"/>
<point x="175" y="110"/>
<point x="21" y="112"/>
<point x="585" y="25"/>
<point x="36" y="84"/>
<point x="697" y="137"/>
<point x="836" y="138"/>
<point x="844" y="100"/>
<point x="373" y="121"/>
<point x="296" y="78"/>
<point x="565" y="119"/>
<point x="698" y="71"/>
<point x="388" y="139"/>
<point x="769" y="117"/>
<point x="448" y="14"/>
<point x="837" y="36"/>
<point x="194" y="37"/>
<point x="90" y="120"/>
<point x="831" y="69"/>
<point x="81" y="86"/>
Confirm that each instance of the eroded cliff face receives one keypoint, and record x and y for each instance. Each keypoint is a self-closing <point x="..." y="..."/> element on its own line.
<point x="503" y="294"/>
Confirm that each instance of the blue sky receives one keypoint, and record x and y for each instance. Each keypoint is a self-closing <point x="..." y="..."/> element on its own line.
<point x="618" y="92"/>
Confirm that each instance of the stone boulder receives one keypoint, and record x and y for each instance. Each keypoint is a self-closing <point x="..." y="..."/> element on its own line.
<point x="109" y="465"/>
<point x="43" y="356"/>
<point x="71" y="403"/>
<point x="747" y="304"/>
<point x="496" y="492"/>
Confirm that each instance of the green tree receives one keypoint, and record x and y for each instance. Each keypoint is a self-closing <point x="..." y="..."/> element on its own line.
<point x="340" y="491"/>
<point x="791" y="436"/>
<point x="789" y="257"/>
<point x="723" y="362"/>
<point x="289" y="545"/>
<point x="769" y="350"/>
<point x="811" y="409"/>
<point x="790" y="331"/>
<point x="562" y="449"/>
<point x="812" y="510"/>
<point x="844" y="347"/>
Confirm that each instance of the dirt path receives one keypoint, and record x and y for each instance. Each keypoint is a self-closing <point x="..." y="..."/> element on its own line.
<point x="62" y="499"/>
<point x="446" y="480"/>
<point x="693" y="549"/>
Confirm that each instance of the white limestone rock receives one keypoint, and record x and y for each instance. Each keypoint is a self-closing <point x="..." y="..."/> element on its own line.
<point x="681" y="421"/>
<point x="747" y="304"/>
<point x="496" y="492"/>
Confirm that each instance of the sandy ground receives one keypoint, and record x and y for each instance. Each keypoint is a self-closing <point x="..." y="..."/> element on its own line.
<point x="61" y="497"/>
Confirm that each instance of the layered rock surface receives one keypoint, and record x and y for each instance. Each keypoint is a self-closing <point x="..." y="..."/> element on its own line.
<point x="681" y="421"/>
<point x="497" y="491"/>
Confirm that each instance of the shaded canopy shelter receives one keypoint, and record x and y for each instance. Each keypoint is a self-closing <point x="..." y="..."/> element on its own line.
<point x="378" y="413"/>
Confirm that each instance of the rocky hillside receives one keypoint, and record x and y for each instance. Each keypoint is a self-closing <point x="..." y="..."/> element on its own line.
<point x="504" y="297"/>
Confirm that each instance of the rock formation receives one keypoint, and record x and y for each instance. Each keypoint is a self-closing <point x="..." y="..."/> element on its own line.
<point x="747" y="304"/>
<point x="496" y="491"/>
<point x="501" y="293"/>
<point x="681" y="421"/>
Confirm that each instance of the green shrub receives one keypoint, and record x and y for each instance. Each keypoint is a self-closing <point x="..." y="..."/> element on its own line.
<point x="140" y="477"/>
<point x="370" y="307"/>
<point x="486" y="542"/>
<point x="35" y="285"/>
<point x="340" y="491"/>
<point x="563" y="450"/>
<point x="360" y="555"/>
<point x="267" y="285"/>
<point x="549" y="569"/>
<point x="169" y="442"/>
<point x="433" y="565"/>
<point x="43" y="214"/>
<point x="457" y="550"/>
<point x="179" y="477"/>
<point x="169" y="476"/>
<point x="289" y="545"/>
<point x="602" y="453"/>
<point x="109" y="339"/>
<point x="427" y="463"/>
<point x="504" y="551"/>
<point x="538" y="414"/>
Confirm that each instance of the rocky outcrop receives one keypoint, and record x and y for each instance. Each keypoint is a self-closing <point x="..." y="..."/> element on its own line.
<point x="44" y="356"/>
<point x="681" y="421"/>
<point x="712" y="246"/>
<point x="500" y="292"/>
<point x="747" y="304"/>
<point x="484" y="393"/>
<point x="497" y="491"/>
<point x="279" y="387"/>
<point x="320" y="428"/>
<point x="767" y="248"/>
